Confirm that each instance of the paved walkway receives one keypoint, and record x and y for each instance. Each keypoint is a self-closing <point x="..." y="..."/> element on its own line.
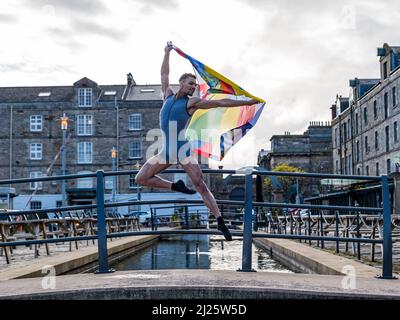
<point x="64" y="261"/>
<point x="308" y="259"/>
<point x="199" y="284"/>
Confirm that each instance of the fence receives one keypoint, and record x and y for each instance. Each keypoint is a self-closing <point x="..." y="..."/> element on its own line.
<point x="248" y="205"/>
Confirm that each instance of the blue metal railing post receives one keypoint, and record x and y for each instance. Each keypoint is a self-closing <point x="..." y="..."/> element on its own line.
<point x="337" y="229"/>
<point x="186" y="218"/>
<point x="247" y="229"/>
<point x="387" y="231"/>
<point x="101" y="224"/>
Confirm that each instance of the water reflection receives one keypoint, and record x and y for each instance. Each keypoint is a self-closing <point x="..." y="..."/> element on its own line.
<point x="197" y="252"/>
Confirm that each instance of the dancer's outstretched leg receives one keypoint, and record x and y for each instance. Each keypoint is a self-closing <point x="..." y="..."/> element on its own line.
<point x="193" y="170"/>
<point x="147" y="176"/>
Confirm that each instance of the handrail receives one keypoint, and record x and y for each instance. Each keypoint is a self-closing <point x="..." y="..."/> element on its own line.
<point x="248" y="205"/>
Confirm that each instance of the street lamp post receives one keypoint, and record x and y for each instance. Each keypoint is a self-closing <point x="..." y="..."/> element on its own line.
<point x="114" y="165"/>
<point x="64" y="128"/>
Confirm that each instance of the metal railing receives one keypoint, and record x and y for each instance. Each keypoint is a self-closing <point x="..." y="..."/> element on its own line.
<point x="248" y="205"/>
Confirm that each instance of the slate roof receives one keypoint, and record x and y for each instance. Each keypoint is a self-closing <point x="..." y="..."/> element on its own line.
<point x="146" y="92"/>
<point x="30" y="94"/>
<point x="66" y="93"/>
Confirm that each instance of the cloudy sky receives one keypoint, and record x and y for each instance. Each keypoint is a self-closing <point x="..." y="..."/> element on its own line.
<point x="297" y="55"/>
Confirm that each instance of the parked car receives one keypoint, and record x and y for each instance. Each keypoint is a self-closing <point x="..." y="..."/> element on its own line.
<point x="143" y="216"/>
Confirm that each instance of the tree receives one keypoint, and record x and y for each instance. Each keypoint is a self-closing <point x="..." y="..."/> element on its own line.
<point x="282" y="183"/>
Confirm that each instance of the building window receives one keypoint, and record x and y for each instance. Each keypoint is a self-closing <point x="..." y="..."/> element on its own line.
<point x="36" y="205"/>
<point x="36" y="123"/>
<point x="387" y="138"/>
<point x="135" y="121"/>
<point x="357" y="151"/>
<point x="35" y="151"/>
<point x="337" y="166"/>
<point x="85" y="97"/>
<point x="54" y="182"/>
<point x="365" y="116"/>
<point x="85" y="152"/>
<point x="135" y="149"/>
<point x="386" y="105"/>
<point x="336" y="133"/>
<point x="84" y="125"/>
<point x="84" y="182"/>
<point x="395" y="133"/>
<point x="108" y="182"/>
<point x="375" y="110"/>
<point x="388" y="166"/>
<point x="350" y="171"/>
<point x="376" y="140"/>
<point x="385" y="74"/>
<point x="38" y="185"/>
<point x="377" y="168"/>
<point x="358" y="171"/>
<point x="394" y="96"/>
<point x="348" y="129"/>
<point x="367" y="170"/>
<point x="58" y="203"/>
<point x="356" y="123"/>
<point x="345" y="132"/>
<point x="366" y="144"/>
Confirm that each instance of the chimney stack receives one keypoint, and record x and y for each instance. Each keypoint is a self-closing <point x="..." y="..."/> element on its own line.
<point x="130" y="79"/>
<point x="333" y="109"/>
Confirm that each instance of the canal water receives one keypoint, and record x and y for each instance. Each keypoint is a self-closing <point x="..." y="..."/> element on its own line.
<point x="197" y="252"/>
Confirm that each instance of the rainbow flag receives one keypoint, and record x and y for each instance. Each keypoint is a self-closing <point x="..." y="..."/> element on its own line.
<point x="212" y="132"/>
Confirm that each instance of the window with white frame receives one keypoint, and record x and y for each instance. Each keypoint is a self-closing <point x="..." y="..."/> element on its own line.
<point x="36" y="123"/>
<point x="85" y="152"/>
<point x="108" y="182"/>
<point x="85" y="97"/>
<point x="37" y="185"/>
<point x="135" y="121"/>
<point x="35" y="151"/>
<point x="84" y="125"/>
<point x="84" y="182"/>
<point x="135" y="149"/>
<point x="36" y="205"/>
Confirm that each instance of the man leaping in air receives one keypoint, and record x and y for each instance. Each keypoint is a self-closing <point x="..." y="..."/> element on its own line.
<point x="176" y="112"/>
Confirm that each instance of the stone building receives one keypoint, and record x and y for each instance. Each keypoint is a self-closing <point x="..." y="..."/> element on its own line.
<point x="365" y="125"/>
<point x="310" y="151"/>
<point x="101" y="117"/>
